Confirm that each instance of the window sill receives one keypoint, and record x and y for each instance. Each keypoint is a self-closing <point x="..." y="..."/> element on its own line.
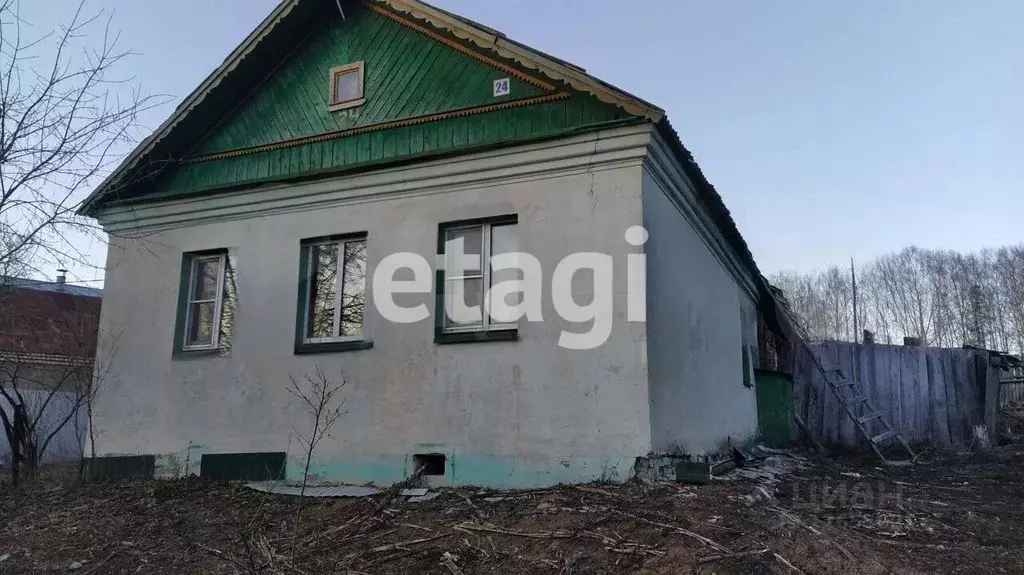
<point x="195" y="353"/>
<point x="346" y="105"/>
<point x="445" y="338"/>
<point x="332" y="347"/>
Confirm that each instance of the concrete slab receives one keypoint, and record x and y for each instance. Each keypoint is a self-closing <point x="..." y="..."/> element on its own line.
<point x="278" y="488"/>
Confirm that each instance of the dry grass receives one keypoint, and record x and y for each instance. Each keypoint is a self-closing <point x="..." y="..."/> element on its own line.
<point x="936" y="522"/>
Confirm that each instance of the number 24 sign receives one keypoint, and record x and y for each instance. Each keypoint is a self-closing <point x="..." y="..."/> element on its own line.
<point x="502" y="87"/>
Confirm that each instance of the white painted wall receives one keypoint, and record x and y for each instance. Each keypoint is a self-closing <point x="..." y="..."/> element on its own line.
<point x="69" y="436"/>
<point x="695" y="332"/>
<point x="507" y="413"/>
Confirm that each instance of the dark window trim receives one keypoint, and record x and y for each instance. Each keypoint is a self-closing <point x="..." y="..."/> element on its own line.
<point x="301" y="346"/>
<point x="333" y="238"/>
<point x="442" y="337"/>
<point x="332" y="346"/>
<point x="447" y="338"/>
<point x="181" y="316"/>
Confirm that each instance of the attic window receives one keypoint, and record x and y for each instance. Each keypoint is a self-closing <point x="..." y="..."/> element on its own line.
<point x="346" y="90"/>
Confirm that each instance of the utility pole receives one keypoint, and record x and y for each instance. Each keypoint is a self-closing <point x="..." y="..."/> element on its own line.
<point x="856" y="328"/>
<point x="853" y="280"/>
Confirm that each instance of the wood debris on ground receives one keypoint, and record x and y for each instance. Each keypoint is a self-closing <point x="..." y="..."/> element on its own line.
<point x="812" y="515"/>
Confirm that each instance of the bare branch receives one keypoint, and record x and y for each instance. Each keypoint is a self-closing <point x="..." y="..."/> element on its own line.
<point x="63" y="126"/>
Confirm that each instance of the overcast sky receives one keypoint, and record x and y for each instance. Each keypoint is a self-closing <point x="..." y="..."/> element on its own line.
<point x="831" y="128"/>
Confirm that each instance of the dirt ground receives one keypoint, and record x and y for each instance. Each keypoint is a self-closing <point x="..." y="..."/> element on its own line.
<point x="793" y="513"/>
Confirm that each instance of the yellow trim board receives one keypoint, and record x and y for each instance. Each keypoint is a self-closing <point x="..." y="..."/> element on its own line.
<point x="460" y="48"/>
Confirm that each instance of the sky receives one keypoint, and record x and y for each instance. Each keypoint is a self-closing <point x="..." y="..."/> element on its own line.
<point x="832" y="129"/>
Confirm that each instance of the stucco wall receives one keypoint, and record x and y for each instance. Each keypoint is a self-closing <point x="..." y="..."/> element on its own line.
<point x="519" y="413"/>
<point x="695" y="336"/>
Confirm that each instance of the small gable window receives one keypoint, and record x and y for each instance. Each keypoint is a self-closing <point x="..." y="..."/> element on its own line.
<point x="346" y="89"/>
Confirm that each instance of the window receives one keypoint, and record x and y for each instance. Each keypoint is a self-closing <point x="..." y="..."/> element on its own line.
<point x="333" y="290"/>
<point x="346" y="87"/>
<point x="204" y="300"/>
<point x="465" y="286"/>
<point x="747" y="368"/>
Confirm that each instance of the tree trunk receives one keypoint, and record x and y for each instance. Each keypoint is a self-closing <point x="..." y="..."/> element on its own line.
<point x="17" y="443"/>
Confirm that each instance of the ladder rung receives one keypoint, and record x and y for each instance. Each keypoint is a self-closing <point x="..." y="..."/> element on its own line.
<point x="869" y="417"/>
<point x="845" y="384"/>
<point x="885" y="435"/>
<point x="857" y="399"/>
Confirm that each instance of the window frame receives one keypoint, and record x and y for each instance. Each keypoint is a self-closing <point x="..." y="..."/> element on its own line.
<point x="305" y="344"/>
<point x="445" y="332"/>
<point x="191" y="259"/>
<point x="333" y="104"/>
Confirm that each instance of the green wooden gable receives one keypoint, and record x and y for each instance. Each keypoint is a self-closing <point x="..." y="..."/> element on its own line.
<point x="407" y="75"/>
<point x="427" y="94"/>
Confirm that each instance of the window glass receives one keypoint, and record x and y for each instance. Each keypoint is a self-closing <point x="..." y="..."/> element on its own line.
<point x="346" y="86"/>
<point x="505" y="240"/>
<point x="353" y="288"/>
<point x="468" y="286"/>
<point x="203" y="306"/>
<point x="205" y="275"/>
<point x="472" y="249"/>
<point x="323" y="280"/>
<point x="201" y="327"/>
<point x="335" y="301"/>
<point x="468" y="292"/>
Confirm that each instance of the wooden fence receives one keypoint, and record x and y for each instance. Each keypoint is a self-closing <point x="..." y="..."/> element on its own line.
<point x="934" y="395"/>
<point x="1011" y="388"/>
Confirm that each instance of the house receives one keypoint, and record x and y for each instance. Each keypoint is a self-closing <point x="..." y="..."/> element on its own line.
<point x="298" y="211"/>
<point x="48" y="333"/>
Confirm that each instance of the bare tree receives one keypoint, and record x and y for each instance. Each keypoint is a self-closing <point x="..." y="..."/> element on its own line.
<point x="62" y="128"/>
<point x="321" y="398"/>
<point x="944" y="297"/>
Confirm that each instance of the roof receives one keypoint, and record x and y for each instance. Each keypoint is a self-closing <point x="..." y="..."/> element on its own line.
<point x="48" y="321"/>
<point x="281" y="21"/>
<point x="483" y="37"/>
<point x="38" y="285"/>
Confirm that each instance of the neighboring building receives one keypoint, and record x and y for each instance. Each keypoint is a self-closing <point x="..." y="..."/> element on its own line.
<point x="48" y="333"/>
<point x="247" y="231"/>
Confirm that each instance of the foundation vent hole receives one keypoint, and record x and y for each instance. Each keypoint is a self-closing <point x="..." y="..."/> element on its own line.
<point x="432" y="463"/>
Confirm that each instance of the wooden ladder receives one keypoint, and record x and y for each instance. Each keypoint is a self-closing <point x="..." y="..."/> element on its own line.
<point x="864" y="414"/>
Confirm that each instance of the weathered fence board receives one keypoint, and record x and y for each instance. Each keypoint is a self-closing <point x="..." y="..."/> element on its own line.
<point x="934" y="395"/>
<point x="1011" y="388"/>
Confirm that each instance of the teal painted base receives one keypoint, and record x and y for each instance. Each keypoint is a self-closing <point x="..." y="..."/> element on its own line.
<point x="508" y="472"/>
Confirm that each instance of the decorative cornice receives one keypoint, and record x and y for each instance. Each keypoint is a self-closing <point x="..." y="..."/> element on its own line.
<point x="378" y="127"/>
<point x="460" y="48"/>
<point x="586" y="153"/>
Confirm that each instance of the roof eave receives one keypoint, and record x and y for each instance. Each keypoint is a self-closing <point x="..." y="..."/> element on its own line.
<point x="716" y="205"/>
<point x="189" y="103"/>
<point x="491" y="39"/>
